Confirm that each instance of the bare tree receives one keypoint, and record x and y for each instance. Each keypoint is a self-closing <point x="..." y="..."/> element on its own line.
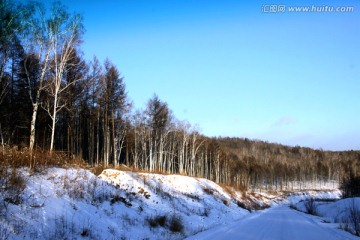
<point x="64" y="31"/>
<point x="52" y="41"/>
<point x="38" y="46"/>
<point x="12" y="18"/>
<point x="183" y="128"/>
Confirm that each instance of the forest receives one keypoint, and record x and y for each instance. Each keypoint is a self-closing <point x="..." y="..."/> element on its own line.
<point x="52" y="99"/>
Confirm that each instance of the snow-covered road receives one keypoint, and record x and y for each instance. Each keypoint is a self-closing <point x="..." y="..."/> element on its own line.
<point x="274" y="224"/>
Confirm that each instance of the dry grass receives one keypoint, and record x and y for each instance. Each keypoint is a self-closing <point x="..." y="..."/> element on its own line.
<point x="14" y="157"/>
<point x="97" y="169"/>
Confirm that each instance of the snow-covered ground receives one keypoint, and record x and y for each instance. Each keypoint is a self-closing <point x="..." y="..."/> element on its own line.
<point x="338" y="213"/>
<point x="282" y="221"/>
<point x="276" y="223"/>
<point x="75" y="204"/>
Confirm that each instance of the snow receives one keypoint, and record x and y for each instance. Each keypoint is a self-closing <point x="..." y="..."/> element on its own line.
<point x="276" y="223"/>
<point x="335" y="213"/>
<point x="75" y="204"/>
<point x="200" y="203"/>
<point x="298" y="197"/>
<point x="64" y="204"/>
<point x="283" y="222"/>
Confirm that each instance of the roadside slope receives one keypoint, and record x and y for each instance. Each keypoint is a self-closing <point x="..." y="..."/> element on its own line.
<point x="73" y="203"/>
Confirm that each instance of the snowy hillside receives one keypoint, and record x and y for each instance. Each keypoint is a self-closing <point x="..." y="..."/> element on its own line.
<point x="197" y="203"/>
<point x="75" y="204"/>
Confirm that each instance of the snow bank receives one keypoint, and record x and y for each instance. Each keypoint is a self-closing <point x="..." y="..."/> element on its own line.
<point x="199" y="203"/>
<point x="64" y="204"/>
<point x="76" y="204"/>
<point x="338" y="212"/>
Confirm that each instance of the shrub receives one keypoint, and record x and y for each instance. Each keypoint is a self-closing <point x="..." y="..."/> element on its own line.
<point x="310" y="206"/>
<point x="85" y="232"/>
<point x="14" y="185"/>
<point x="176" y="224"/>
<point x="118" y="198"/>
<point x="293" y="206"/>
<point x="354" y="217"/>
<point x="350" y="186"/>
<point x="152" y="223"/>
<point x="98" y="169"/>
<point x="161" y="220"/>
<point x="157" y="221"/>
<point x="16" y="181"/>
<point x="242" y="205"/>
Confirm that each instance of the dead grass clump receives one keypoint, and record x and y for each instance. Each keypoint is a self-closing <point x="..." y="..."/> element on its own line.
<point x="38" y="160"/>
<point x="13" y="157"/>
<point x="228" y="189"/>
<point x="208" y="190"/>
<point x="243" y="205"/>
<point x="97" y="169"/>
<point x="13" y="186"/>
<point x="118" y="198"/>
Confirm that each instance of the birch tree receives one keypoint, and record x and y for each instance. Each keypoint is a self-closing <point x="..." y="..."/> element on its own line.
<point x="38" y="47"/>
<point x="183" y="128"/>
<point x="51" y="39"/>
<point x="64" y="31"/>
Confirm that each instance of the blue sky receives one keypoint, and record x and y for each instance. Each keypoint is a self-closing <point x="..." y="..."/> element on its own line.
<point x="290" y="78"/>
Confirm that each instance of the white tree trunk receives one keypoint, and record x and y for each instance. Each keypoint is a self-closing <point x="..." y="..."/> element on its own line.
<point x="53" y="123"/>
<point x="33" y="127"/>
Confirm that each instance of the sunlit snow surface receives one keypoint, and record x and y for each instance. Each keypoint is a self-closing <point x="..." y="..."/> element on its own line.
<point x="75" y="204"/>
<point x="277" y="223"/>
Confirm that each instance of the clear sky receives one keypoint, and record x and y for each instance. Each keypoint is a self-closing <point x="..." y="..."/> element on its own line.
<point x="235" y="70"/>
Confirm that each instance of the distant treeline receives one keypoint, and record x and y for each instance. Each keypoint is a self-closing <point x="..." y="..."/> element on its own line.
<point x="272" y="165"/>
<point x="52" y="98"/>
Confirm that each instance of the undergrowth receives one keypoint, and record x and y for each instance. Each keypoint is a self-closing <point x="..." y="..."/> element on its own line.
<point x="174" y="223"/>
<point x="38" y="160"/>
<point x="310" y="206"/>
